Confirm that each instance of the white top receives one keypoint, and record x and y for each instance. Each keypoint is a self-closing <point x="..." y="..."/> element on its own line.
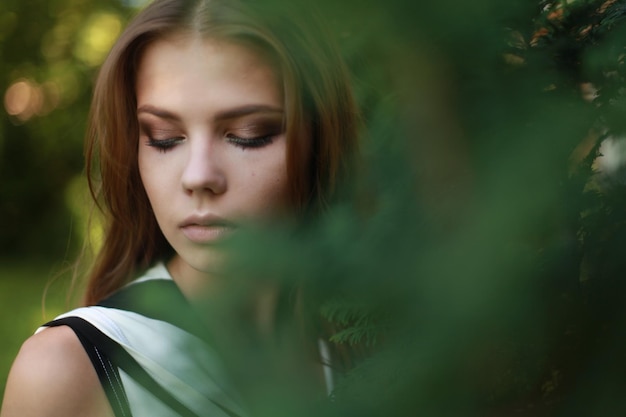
<point x="180" y="362"/>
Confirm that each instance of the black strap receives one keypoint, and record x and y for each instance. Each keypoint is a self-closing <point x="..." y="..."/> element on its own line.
<point x="108" y="374"/>
<point x="98" y="345"/>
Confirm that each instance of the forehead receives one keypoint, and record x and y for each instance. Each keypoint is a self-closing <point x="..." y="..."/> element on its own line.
<point x="195" y="71"/>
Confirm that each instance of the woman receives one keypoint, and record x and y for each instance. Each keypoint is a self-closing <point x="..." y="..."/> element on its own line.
<point x="207" y="115"/>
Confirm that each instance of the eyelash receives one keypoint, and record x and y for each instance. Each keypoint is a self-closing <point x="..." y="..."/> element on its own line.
<point x="163" y="145"/>
<point x="250" y="143"/>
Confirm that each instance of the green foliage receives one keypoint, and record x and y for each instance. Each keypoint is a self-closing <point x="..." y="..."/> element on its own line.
<point x="357" y="324"/>
<point x="485" y="276"/>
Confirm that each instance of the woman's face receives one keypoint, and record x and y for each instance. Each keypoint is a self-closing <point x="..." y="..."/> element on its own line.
<point x="212" y="147"/>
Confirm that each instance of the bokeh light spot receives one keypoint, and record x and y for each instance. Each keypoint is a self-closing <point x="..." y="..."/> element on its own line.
<point x="23" y="99"/>
<point x="97" y="37"/>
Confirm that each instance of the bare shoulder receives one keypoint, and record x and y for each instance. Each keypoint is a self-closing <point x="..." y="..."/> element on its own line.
<point x="53" y="376"/>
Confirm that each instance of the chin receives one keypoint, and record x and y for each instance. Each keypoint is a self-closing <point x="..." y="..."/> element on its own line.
<point x="209" y="262"/>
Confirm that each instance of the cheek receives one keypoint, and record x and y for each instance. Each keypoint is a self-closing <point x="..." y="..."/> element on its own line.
<point x="144" y="174"/>
<point x="276" y="191"/>
<point x="264" y="187"/>
<point x="274" y="187"/>
<point x="151" y="178"/>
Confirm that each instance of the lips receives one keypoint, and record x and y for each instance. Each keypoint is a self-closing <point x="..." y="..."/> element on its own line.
<point x="205" y="228"/>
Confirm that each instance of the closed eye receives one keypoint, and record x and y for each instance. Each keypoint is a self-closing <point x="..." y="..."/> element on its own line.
<point x="255" y="142"/>
<point x="163" y="145"/>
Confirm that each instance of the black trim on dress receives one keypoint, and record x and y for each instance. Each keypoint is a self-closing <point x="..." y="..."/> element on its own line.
<point x="97" y="345"/>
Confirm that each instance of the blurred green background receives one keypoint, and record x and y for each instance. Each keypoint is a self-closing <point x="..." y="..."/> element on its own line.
<point x="489" y="277"/>
<point x="49" y="52"/>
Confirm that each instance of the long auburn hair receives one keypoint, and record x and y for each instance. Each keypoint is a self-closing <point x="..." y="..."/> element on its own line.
<point x="320" y="123"/>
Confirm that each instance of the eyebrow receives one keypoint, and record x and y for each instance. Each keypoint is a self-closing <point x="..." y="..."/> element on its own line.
<point x="223" y="115"/>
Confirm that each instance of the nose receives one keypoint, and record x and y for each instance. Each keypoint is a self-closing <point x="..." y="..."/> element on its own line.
<point x="204" y="171"/>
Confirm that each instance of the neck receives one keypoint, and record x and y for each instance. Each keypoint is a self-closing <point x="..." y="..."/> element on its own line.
<point x="253" y="302"/>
